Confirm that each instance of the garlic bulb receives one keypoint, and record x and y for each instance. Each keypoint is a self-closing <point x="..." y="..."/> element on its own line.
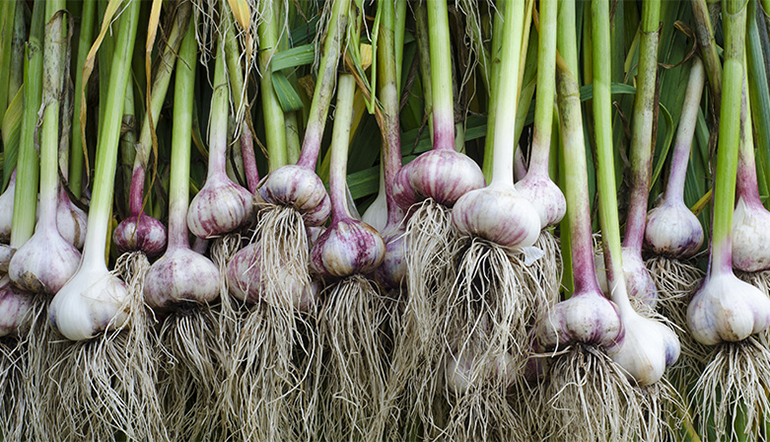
<point x="672" y="230"/>
<point x="647" y="348"/>
<point x="143" y="233"/>
<point x="639" y="282"/>
<point x="347" y="247"/>
<point x="443" y="175"/>
<point x="180" y="276"/>
<point x="92" y="301"/>
<point x="15" y="305"/>
<point x="44" y="263"/>
<point x="751" y="236"/>
<point x="393" y="270"/>
<point x="297" y="187"/>
<point x="586" y="317"/>
<point x="220" y="207"/>
<point x="726" y="309"/>
<point x="545" y="196"/>
<point x="71" y="221"/>
<point x="246" y="283"/>
<point x="499" y="214"/>
<point x="6" y="210"/>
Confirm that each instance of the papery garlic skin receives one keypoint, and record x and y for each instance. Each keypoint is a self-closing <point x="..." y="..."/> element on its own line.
<point x="143" y="233"/>
<point x="347" y="247"/>
<point x="15" y="306"/>
<point x="726" y="309"/>
<point x="647" y="349"/>
<point x="6" y="210"/>
<point x="6" y="253"/>
<point x="246" y="283"/>
<point x="499" y="214"/>
<point x="393" y="270"/>
<point x="92" y="301"/>
<point x="639" y="282"/>
<point x="751" y="237"/>
<point x="376" y="215"/>
<point x="458" y="373"/>
<point x="220" y="207"/>
<point x="673" y="231"/>
<point x="181" y="276"/>
<point x="588" y="318"/>
<point x="297" y="187"/>
<point x="545" y="196"/>
<point x="44" y="263"/>
<point x="71" y="221"/>
<point x="443" y="175"/>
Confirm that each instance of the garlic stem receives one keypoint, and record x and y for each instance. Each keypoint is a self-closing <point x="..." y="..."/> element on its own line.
<point x="387" y="59"/>
<point x="339" y="147"/>
<point x="605" y="176"/>
<point x="746" y="181"/>
<point x="734" y="18"/>
<point x="109" y="134"/>
<point x="179" y="181"/>
<point x="508" y="87"/>
<point x="53" y="75"/>
<point x="684" y="137"/>
<point x="27" y="167"/>
<point x="546" y="71"/>
<point x="643" y="138"/>
<point x="275" y="130"/>
<point x="324" y="89"/>
<point x="578" y="206"/>
<point x="441" y="76"/>
<point x="220" y="100"/>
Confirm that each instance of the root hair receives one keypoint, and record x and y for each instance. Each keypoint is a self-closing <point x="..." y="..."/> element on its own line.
<point x="354" y="385"/>
<point x="411" y="391"/>
<point x="191" y="376"/>
<point x="730" y="396"/>
<point x="589" y="398"/>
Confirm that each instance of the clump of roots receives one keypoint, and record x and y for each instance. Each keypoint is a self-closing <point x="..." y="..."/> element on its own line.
<point x="664" y="411"/>
<point x="589" y="398"/>
<point x="284" y="250"/>
<point x="677" y="282"/>
<point x="476" y="384"/>
<point x="41" y="353"/>
<point x="191" y="375"/>
<point x="354" y="384"/>
<point x="483" y="414"/>
<point x="730" y="397"/>
<point x="275" y="364"/>
<point x="415" y="365"/>
<point x="104" y="387"/>
<point x="13" y="407"/>
<point x="228" y="323"/>
<point x="490" y="297"/>
<point x="273" y="360"/>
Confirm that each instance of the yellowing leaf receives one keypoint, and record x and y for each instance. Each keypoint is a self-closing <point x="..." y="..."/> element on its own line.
<point x="365" y="51"/>
<point x="241" y="12"/>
